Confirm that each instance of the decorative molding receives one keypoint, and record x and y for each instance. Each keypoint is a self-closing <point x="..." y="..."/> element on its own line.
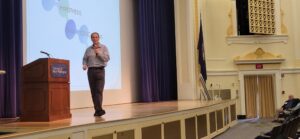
<point x="236" y="72"/>
<point x="290" y="70"/>
<point x="230" y="27"/>
<point x="259" y="56"/>
<point x="215" y="59"/>
<point x="264" y="61"/>
<point x="283" y="27"/>
<point x="257" y="39"/>
<point x="222" y="72"/>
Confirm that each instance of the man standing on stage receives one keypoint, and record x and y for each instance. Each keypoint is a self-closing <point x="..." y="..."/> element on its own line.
<point x="95" y="60"/>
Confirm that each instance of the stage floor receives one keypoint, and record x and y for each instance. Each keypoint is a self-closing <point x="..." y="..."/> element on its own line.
<point x="113" y="113"/>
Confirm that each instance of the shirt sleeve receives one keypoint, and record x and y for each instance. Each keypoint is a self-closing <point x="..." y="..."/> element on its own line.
<point x="85" y="58"/>
<point x="104" y="55"/>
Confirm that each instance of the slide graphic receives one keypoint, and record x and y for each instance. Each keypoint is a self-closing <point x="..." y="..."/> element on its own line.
<point x="48" y="4"/>
<point x="64" y="10"/>
<point x="63" y="27"/>
<point x="62" y="6"/>
<point x="71" y="30"/>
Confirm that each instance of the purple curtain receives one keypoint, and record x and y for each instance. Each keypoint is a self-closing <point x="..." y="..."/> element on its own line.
<point x="156" y="39"/>
<point x="10" y="57"/>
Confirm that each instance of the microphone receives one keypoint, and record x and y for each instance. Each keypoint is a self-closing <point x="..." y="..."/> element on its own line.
<point x="43" y="52"/>
<point x="95" y="47"/>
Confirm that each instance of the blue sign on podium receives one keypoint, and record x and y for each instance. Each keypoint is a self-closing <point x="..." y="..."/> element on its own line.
<point x="59" y="70"/>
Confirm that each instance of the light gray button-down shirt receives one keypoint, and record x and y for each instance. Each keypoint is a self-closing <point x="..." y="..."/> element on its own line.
<point x="90" y="59"/>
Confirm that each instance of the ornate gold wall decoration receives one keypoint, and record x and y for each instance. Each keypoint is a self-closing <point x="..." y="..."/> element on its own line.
<point x="258" y="56"/>
<point x="259" y="53"/>
<point x="283" y="27"/>
<point x="230" y="27"/>
<point x="261" y="16"/>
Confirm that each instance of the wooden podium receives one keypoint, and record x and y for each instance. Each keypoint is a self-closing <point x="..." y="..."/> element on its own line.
<point x="45" y="90"/>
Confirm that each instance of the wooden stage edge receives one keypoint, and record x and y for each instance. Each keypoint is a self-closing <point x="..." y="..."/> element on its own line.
<point x="190" y="118"/>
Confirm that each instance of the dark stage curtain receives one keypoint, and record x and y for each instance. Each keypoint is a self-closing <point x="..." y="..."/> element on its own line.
<point x="10" y="57"/>
<point x="156" y="39"/>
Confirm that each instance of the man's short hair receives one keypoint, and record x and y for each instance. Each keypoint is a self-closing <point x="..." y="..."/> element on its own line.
<point x="95" y="33"/>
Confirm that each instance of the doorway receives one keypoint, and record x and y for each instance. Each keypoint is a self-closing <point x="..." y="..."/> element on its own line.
<point x="259" y="96"/>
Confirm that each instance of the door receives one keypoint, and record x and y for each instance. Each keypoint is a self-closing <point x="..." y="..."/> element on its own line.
<point x="259" y="96"/>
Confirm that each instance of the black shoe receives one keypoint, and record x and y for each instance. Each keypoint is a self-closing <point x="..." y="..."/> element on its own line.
<point x="99" y="113"/>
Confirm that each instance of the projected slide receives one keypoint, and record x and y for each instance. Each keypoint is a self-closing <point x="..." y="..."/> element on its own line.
<point x="63" y="27"/>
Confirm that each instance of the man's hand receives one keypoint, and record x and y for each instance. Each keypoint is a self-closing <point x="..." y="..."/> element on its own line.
<point x="84" y="67"/>
<point x="96" y="48"/>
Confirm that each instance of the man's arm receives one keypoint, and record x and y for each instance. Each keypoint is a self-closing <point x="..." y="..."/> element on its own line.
<point x="104" y="54"/>
<point x="84" y="61"/>
<point x="296" y="107"/>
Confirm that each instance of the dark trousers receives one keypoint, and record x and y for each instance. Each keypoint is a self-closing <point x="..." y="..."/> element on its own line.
<point x="96" y="77"/>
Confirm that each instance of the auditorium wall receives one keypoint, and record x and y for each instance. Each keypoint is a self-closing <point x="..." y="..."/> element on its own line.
<point x="218" y="21"/>
<point x="219" y="27"/>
